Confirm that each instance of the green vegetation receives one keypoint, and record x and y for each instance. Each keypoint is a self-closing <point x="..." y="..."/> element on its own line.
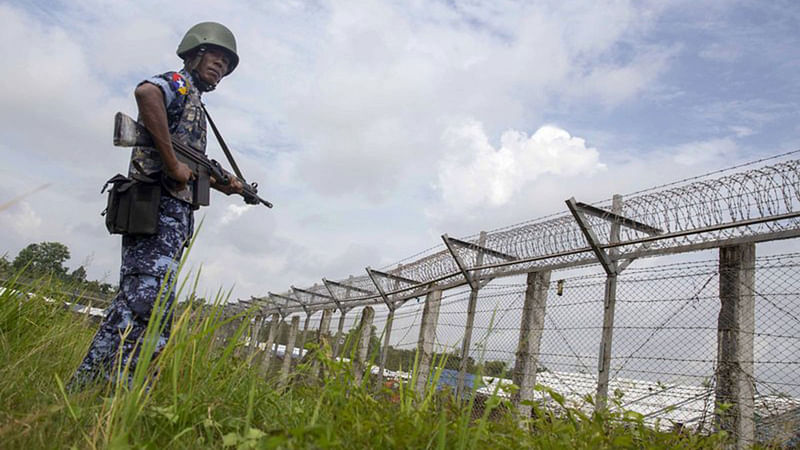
<point x="201" y="395"/>
<point x="41" y="265"/>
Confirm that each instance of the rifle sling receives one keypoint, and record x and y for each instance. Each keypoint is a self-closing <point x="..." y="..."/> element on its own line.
<point x="223" y="145"/>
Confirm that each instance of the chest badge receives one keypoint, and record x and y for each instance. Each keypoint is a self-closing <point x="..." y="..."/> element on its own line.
<point x="178" y="84"/>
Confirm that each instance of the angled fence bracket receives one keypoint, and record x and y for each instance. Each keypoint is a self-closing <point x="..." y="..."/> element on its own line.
<point x="615" y="218"/>
<point x="392" y="276"/>
<point x="385" y="298"/>
<point x="482" y="249"/>
<point x="329" y="283"/>
<point x="586" y="228"/>
<point x="288" y="300"/>
<point x="335" y="299"/>
<point x="460" y="263"/>
<point x="327" y="298"/>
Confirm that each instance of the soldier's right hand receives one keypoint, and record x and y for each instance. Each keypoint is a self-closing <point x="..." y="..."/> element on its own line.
<point x="180" y="173"/>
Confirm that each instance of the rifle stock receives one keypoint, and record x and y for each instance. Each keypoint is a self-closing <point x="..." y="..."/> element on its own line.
<point x="130" y="133"/>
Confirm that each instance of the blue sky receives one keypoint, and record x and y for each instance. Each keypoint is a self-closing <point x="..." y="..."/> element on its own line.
<point x="376" y="126"/>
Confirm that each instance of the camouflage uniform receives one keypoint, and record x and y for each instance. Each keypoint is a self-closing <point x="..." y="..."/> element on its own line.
<point x="149" y="261"/>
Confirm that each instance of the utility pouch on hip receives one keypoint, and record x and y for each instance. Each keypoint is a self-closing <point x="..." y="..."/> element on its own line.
<point x="132" y="205"/>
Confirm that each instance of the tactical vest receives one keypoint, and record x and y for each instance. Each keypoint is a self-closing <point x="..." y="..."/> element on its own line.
<point x="187" y="123"/>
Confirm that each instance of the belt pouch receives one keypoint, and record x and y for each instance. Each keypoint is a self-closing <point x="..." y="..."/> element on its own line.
<point x="132" y="205"/>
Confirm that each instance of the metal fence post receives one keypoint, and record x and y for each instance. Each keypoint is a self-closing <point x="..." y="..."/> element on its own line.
<point x="289" y="351"/>
<point x="337" y="343"/>
<point x="324" y="325"/>
<point x="238" y="350"/>
<point x="304" y="333"/>
<point x="736" y="328"/>
<point x="323" y="333"/>
<point x="387" y="335"/>
<point x="255" y="329"/>
<point x="273" y="335"/>
<point x="427" y="337"/>
<point x="223" y="334"/>
<point x="609" y="305"/>
<point x="530" y="337"/>
<point x="364" y="334"/>
<point x="473" y="300"/>
<point x="604" y="359"/>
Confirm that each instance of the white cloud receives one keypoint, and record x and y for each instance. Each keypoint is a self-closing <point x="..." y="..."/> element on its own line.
<point x="233" y="212"/>
<point x="474" y="173"/>
<point x="741" y="131"/>
<point x="339" y="109"/>
<point x="20" y="219"/>
<point x="614" y="84"/>
<point x="703" y="152"/>
<point x="387" y="77"/>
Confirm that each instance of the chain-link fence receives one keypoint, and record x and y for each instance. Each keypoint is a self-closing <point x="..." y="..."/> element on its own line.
<point x="702" y="338"/>
<point x="666" y="356"/>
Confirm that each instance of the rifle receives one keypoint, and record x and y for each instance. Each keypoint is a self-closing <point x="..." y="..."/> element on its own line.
<point x="130" y="133"/>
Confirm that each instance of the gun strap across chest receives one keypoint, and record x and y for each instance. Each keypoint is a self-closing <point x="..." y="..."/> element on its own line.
<point x="223" y="145"/>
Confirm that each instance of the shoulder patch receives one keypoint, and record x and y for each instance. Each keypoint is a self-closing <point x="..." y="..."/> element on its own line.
<point x="178" y="84"/>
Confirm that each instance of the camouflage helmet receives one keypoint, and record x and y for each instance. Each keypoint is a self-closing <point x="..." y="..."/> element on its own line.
<point x="210" y="33"/>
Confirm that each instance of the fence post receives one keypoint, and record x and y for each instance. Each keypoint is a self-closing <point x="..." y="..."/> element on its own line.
<point x="273" y="335"/>
<point x="609" y="305"/>
<point x="387" y="335"/>
<point x="239" y="350"/>
<point x="337" y="343"/>
<point x="324" y="325"/>
<point x="223" y="334"/>
<point x="735" y="331"/>
<point x="427" y="337"/>
<point x="322" y="335"/>
<point x="473" y="300"/>
<point x="364" y="334"/>
<point x="255" y="329"/>
<point x="530" y="337"/>
<point x="287" y="354"/>
<point x="303" y="333"/>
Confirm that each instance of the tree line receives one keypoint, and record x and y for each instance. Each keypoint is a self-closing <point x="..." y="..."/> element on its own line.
<point x="44" y="261"/>
<point x="398" y="358"/>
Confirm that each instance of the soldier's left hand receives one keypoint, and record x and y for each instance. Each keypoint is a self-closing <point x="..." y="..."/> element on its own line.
<point x="235" y="186"/>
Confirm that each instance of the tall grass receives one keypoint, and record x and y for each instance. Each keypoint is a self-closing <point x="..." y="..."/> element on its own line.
<point x="196" y="394"/>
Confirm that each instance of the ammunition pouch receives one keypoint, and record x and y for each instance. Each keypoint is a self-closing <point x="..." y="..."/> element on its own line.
<point x="132" y="205"/>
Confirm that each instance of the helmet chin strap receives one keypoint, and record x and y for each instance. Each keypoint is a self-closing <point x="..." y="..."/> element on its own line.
<point x="191" y="67"/>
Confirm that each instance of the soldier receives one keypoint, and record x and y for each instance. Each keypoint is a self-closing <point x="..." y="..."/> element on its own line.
<point x="169" y="105"/>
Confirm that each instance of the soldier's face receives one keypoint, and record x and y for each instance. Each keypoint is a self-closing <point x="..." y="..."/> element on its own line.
<point x="213" y="66"/>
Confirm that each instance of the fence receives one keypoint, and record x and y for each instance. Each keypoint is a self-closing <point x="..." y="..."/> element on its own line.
<point x="570" y="301"/>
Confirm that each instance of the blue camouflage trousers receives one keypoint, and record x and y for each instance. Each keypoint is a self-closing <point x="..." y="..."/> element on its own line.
<point x="147" y="263"/>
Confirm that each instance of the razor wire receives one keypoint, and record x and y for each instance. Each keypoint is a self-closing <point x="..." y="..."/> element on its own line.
<point x="760" y="203"/>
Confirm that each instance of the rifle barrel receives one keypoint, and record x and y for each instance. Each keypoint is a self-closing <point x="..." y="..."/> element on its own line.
<point x="140" y="136"/>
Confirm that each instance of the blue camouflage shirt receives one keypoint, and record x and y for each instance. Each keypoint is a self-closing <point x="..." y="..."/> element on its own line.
<point x="187" y="123"/>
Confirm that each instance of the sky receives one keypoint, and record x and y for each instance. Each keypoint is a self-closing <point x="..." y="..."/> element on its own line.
<point x="375" y="126"/>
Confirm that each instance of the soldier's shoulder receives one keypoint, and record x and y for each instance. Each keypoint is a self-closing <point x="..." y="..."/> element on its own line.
<point x="175" y="81"/>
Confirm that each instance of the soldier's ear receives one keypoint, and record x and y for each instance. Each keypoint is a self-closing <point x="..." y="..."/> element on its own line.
<point x="192" y="60"/>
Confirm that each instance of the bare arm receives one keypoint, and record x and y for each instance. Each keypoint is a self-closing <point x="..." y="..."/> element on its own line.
<point x="154" y="116"/>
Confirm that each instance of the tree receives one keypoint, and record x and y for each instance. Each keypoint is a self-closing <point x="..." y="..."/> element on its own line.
<point x="5" y="266"/>
<point x="495" y="368"/>
<point x="351" y="343"/>
<point x="45" y="258"/>
<point x="78" y="275"/>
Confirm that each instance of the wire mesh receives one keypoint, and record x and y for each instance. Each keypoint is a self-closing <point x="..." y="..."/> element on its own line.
<point x="664" y="360"/>
<point x="668" y="322"/>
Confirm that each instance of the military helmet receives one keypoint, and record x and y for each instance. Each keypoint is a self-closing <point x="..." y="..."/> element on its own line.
<point x="210" y="33"/>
